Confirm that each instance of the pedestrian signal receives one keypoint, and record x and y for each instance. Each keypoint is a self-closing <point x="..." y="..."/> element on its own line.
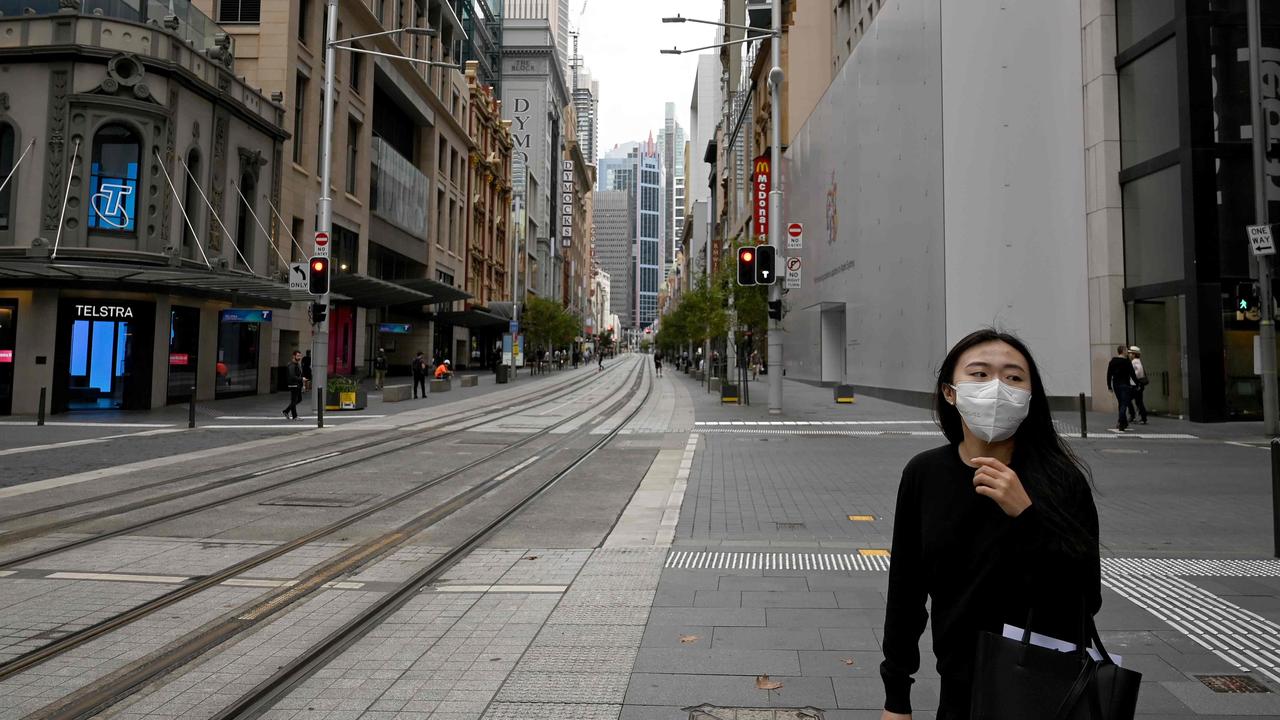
<point x="318" y="312"/>
<point x="775" y="309"/>
<point x="747" y="266"/>
<point x="765" y="265"/>
<point x="318" y="281"/>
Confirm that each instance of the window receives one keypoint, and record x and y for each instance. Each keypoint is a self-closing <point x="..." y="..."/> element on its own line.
<point x="357" y="67"/>
<point x="380" y="9"/>
<point x="239" y="11"/>
<point x="7" y="140"/>
<point x="191" y="203"/>
<point x="113" y="179"/>
<point x="304" y="21"/>
<point x="353" y="154"/>
<point x="245" y="224"/>
<point x="1149" y="105"/>
<point x="297" y="231"/>
<point x="1153" y="228"/>
<point x="299" y="119"/>
<point x="1136" y="19"/>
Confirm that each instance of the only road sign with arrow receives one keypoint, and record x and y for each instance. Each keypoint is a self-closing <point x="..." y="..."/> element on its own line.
<point x="299" y="277"/>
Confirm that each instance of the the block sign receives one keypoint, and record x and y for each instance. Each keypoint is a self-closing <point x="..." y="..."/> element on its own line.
<point x="760" y="204"/>
<point x="566" y="204"/>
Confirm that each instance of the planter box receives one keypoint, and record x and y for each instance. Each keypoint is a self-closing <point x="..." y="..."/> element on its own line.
<point x="728" y="391"/>
<point x="396" y="393"/>
<point x="441" y="385"/>
<point x="357" y="400"/>
<point x="470" y="381"/>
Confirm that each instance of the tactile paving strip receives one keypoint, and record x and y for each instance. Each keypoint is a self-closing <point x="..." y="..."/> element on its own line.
<point x="569" y="687"/>
<point x="1191" y="568"/>
<point x="832" y="562"/>
<point x="578" y="659"/>
<point x="551" y="711"/>
<point x="590" y="636"/>
<point x="600" y="614"/>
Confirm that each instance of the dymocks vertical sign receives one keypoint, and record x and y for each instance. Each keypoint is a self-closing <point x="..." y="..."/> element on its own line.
<point x="760" y="201"/>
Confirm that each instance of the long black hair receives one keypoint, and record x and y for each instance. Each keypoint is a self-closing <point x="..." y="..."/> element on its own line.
<point x="1052" y="473"/>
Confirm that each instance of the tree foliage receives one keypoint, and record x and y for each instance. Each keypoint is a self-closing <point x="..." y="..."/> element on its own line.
<point x="547" y="324"/>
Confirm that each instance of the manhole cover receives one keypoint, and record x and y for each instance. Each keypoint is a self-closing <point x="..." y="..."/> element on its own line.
<point x="330" y="501"/>
<point x="711" y="712"/>
<point x="789" y="525"/>
<point x="1232" y="684"/>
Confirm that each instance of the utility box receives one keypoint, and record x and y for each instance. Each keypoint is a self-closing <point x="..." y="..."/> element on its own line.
<point x="844" y="395"/>
<point x="728" y="393"/>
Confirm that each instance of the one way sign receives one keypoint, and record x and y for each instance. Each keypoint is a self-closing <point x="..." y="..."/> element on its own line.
<point x="299" y="277"/>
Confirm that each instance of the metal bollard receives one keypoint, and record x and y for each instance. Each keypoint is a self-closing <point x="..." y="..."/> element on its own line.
<point x="1084" y="420"/>
<point x="191" y="409"/>
<point x="319" y="407"/>
<point x="40" y="412"/>
<point x="1275" y="494"/>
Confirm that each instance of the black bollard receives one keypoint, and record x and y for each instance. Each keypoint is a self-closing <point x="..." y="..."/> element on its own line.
<point x="1275" y="494"/>
<point x="40" y="412"/>
<point x="191" y="409"/>
<point x="319" y="407"/>
<point x="1084" y="420"/>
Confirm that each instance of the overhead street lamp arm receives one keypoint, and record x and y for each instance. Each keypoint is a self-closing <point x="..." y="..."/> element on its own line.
<point x="676" y="51"/>
<point x="427" y="32"/>
<point x="429" y="63"/>
<point x="681" y="19"/>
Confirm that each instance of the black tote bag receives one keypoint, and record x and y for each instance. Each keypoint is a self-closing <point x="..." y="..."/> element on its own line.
<point x="1015" y="680"/>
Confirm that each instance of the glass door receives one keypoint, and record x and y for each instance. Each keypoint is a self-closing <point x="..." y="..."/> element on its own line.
<point x="1157" y="328"/>
<point x="101" y="355"/>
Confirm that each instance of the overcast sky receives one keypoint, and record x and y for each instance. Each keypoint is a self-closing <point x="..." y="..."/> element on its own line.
<point x="619" y="45"/>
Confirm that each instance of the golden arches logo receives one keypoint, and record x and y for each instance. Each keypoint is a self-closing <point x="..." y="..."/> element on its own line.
<point x="762" y="166"/>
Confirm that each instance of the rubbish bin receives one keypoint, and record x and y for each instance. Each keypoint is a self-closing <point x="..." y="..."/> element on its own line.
<point x="502" y="374"/>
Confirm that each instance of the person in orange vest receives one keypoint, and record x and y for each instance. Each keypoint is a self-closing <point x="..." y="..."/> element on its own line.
<point x="443" y="371"/>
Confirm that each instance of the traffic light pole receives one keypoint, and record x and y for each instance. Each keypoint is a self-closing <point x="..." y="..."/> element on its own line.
<point x="775" y="208"/>
<point x="324" y="215"/>
<point x="1267" y="327"/>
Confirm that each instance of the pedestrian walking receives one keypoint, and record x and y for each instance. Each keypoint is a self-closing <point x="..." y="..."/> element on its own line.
<point x="1139" y="387"/>
<point x="600" y="362"/>
<point x="379" y="369"/>
<point x="1121" y="380"/>
<point x="295" y="386"/>
<point x="306" y="371"/>
<point x="657" y="363"/>
<point x="755" y="364"/>
<point x="419" y="369"/>
<point x="999" y="520"/>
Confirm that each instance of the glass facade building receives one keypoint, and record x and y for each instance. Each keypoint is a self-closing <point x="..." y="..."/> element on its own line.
<point x="1186" y="184"/>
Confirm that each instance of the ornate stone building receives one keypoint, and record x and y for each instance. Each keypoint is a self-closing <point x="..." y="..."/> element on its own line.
<point x="136" y="253"/>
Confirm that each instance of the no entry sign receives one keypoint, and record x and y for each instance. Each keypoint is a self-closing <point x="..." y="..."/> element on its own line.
<point x="322" y="244"/>
<point x="795" y="236"/>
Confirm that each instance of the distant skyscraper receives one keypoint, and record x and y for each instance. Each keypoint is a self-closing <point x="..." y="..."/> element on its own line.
<point x="635" y="171"/>
<point x="586" y="104"/>
<point x="671" y="147"/>
<point x="615" y="238"/>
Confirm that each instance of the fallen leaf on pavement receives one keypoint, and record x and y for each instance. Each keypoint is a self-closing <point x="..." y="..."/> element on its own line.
<point x="529" y="557"/>
<point x="847" y="661"/>
<point x="764" y="683"/>
<point x="686" y="639"/>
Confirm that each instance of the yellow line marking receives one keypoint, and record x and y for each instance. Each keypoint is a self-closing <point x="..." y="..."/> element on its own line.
<point x="862" y="518"/>
<point x="873" y="552"/>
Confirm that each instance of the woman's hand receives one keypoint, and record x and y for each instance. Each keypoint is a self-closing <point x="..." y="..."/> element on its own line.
<point x="995" y="480"/>
<point x="886" y="715"/>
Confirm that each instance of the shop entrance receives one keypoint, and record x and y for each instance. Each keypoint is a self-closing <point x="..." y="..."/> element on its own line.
<point x="104" y="355"/>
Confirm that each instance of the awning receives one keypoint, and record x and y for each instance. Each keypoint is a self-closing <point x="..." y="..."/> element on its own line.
<point x="371" y="292"/>
<point x="235" y="286"/>
<point x="439" y="292"/>
<point x="474" y="318"/>
<point x="503" y="309"/>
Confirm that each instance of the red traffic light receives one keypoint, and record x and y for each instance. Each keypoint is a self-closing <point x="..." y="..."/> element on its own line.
<point x="318" y="265"/>
<point x="318" y="280"/>
<point x="746" y="256"/>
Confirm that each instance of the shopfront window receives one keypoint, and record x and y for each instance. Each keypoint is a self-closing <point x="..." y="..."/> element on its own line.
<point x="239" y="351"/>
<point x="8" y="349"/>
<point x="1158" y="331"/>
<point x="184" y="344"/>
<point x="7" y="141"/>
<point x="1153" y="228"/>
<point x="102" y="356"/>
<point x="113" y="180"/>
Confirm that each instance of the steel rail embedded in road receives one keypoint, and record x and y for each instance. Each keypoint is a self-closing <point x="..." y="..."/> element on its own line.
<point x="361" y="553"/>
<point x="148" y="502"/>
<point x="17" y="535"/>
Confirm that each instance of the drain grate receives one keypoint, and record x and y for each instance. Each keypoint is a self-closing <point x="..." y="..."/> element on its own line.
<point x="326" y="501"/>
<point x="789" y="525"/>
<point x="1234" y="684"/>
<point x="712" y="712"/>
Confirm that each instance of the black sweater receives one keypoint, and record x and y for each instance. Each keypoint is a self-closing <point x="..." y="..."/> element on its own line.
<point x="1120" y="372"/>
<point x="981" y="568"/>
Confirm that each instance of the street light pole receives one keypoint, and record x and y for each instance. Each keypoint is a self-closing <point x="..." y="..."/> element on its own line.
<point x="1267" y="326"/>
<point x="775" y="207"/>
<point x="324" y="215"/>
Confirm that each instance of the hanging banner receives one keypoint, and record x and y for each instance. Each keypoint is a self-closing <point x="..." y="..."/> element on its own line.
<point x="760" y="204"/>
<point x="566" y="203"/>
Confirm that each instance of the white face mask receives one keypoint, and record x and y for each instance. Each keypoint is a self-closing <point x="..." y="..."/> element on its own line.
<point x="993" y="410"/>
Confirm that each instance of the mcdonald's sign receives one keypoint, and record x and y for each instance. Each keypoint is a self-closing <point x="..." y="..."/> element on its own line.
<point x="760" y="196"/>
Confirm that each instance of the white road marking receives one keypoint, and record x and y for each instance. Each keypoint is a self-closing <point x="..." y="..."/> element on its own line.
<point x="119" y="577"/>
<point x="517" y="468"/>
<point x="86" y="441"/>
<point x="296" y="464"/>
<point x="7" y="573"/>
<point x="90" y="424"/>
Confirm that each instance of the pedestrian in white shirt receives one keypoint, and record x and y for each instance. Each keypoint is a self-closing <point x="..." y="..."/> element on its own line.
<point x="1135" y="355"/>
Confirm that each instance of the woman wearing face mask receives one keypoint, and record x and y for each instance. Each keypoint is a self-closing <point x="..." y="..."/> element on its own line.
<point x="998" y="521"/>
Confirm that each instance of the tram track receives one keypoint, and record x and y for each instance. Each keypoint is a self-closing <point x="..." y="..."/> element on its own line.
<point x="387" y="436"/>
<point x="482" y="417"/>
<point x="108" y="691"/>
<point x="343" y="563"/>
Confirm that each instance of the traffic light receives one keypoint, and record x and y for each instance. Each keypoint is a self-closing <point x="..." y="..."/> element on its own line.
<point x="765" y="265"/>
<point x="318" y="312"/>
<point x="319" y="277"/>
<point x="775" y="309"/>
<point x="746" y="266"/>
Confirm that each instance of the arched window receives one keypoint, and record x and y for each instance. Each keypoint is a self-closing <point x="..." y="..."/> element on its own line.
<point x="113" y="179"/>
<point x="7" y="157"/>
<point x="244" y="222"/>
<point x="191" y="204"/>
